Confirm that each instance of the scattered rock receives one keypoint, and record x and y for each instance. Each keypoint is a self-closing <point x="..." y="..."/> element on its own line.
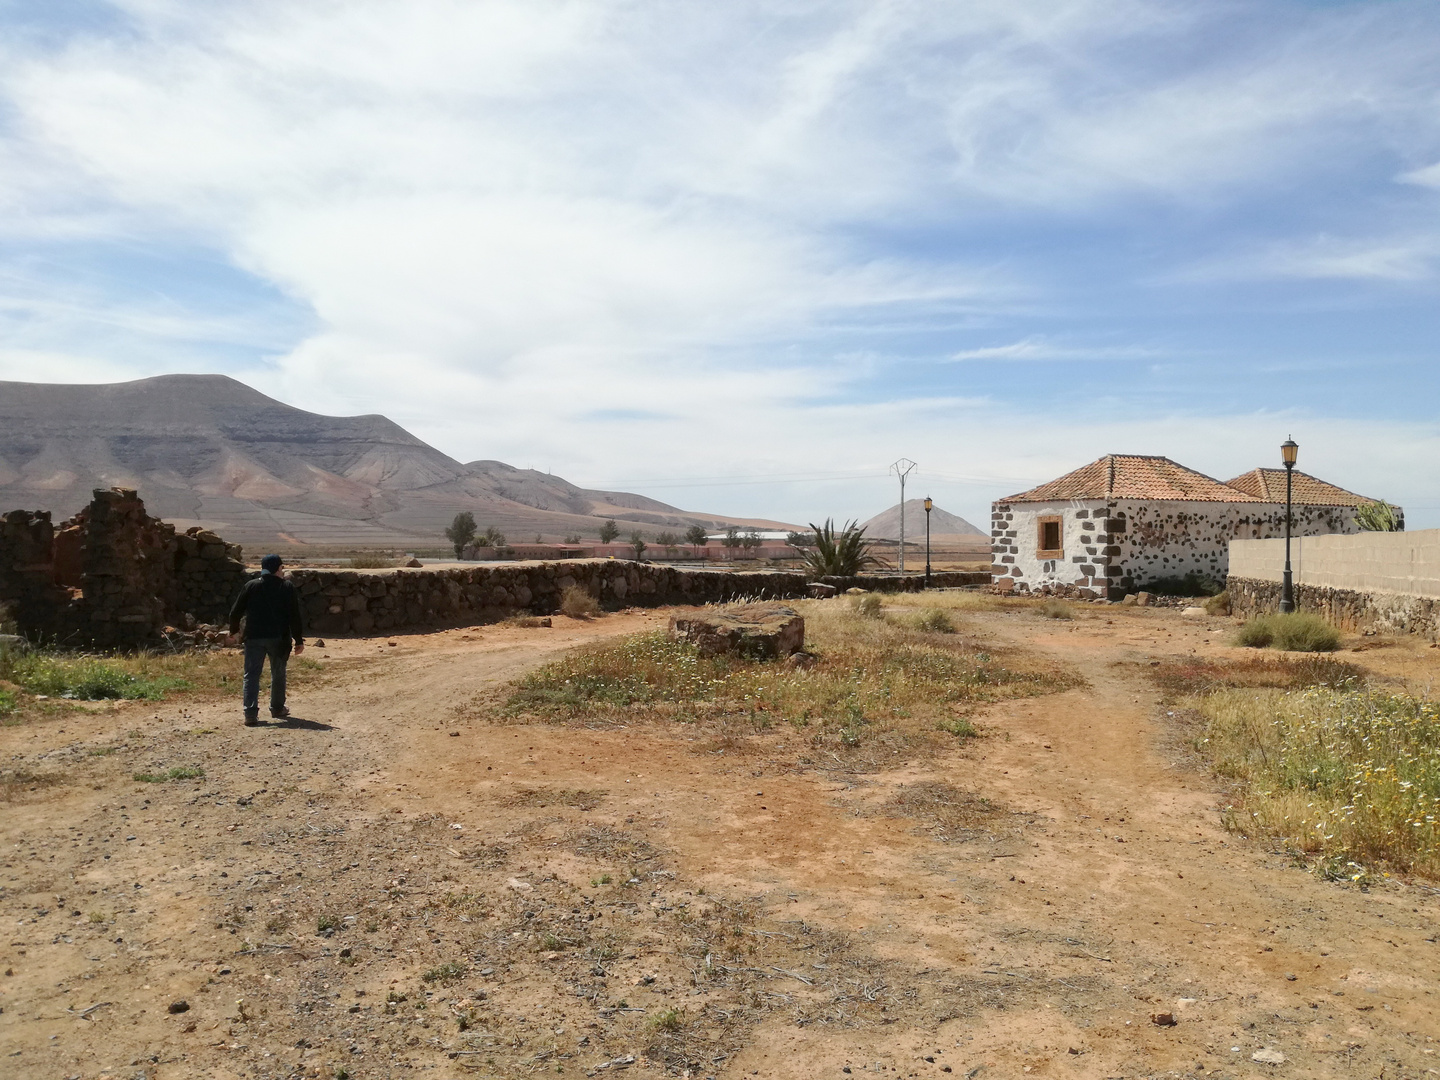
<point x="179" y="1006"/>
<point x="802" y="660"/>
<point x="1163" y="1019"/>
<point x="1142" y="599"/>
<point x="1268" y="1056"/>
<point x="412" y="563"/>
<point x="319" y="643"/>
<point x="818" y="590"/>
<point x="1193" y="613"/>
<point x="761" y="631"/>
<point x="856" y="592"/>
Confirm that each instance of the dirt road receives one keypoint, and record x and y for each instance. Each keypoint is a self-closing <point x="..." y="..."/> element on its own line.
<point x="559" y="899"/>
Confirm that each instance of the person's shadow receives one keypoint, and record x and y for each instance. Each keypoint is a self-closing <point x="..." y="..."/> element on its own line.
<point x="301" y="723"/>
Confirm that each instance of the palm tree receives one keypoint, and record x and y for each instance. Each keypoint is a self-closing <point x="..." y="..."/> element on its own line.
<point x="842" y="554"/>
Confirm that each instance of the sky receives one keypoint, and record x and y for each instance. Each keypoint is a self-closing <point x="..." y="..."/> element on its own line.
<point x="741" y="257"/>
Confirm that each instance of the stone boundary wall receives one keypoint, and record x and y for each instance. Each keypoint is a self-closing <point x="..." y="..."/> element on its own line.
<point x="1350" y="609"/>
<point x="360" y="602"/>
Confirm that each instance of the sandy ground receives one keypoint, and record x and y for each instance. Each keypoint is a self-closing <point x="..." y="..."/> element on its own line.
<point x="565" y="888"/>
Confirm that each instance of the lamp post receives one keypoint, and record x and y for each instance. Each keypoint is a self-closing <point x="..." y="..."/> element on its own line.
<point x="928" y="507"/>
<point x="1289" y="450"/>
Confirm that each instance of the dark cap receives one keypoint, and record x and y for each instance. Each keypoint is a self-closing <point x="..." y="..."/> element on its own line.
<point x="270" y="563"/>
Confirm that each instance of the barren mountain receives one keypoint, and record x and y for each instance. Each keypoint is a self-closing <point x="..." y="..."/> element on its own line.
<point x="886" y="525"/>
<point x="205" y="449"/>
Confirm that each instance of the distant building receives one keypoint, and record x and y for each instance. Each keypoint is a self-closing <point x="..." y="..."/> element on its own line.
<point x="1125" y="520"/>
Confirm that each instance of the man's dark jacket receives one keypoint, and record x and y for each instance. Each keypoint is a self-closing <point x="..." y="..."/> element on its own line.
<point x="271" y="609"/>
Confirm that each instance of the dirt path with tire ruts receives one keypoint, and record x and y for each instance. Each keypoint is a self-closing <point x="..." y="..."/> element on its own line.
<point x="402" y="884"/>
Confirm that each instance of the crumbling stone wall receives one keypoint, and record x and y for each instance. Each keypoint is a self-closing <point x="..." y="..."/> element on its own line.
<point x="112" y="575"/>
<point x="28" y="589"/>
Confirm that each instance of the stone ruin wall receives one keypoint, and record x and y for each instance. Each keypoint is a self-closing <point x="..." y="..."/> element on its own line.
<point x="112" y="576"/>
<point x="1160" y="539"/>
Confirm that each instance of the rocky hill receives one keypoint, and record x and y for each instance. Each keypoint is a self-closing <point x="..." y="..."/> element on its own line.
<point x="206" y="449"/>
<point x="945" y="526"/>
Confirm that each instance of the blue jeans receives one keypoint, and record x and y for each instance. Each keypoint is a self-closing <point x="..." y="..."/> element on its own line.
<point x="256" y="650"/>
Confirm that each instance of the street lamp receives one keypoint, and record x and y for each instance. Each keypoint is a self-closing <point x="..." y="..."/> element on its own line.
<point x="1289" y="450"/>
<point x="928" y="507"/>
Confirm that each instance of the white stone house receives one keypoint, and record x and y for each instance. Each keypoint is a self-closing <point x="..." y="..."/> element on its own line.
<point x="1123" y="521"/>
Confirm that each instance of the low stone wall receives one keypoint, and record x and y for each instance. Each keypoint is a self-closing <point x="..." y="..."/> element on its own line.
<point x="363" y="602"/>
<point x="344" y="602"/>
<point x="1350" y="609"/>
<point x="946" y="579"/>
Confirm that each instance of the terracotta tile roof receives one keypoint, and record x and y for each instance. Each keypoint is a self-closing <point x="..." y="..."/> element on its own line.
<point x="1269" y="485"/>
<point x="1134" y="476"/>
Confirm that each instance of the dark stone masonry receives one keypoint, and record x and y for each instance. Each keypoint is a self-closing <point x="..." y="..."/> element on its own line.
<point x="1348" y="609"/>
<point x="112" y="576"/>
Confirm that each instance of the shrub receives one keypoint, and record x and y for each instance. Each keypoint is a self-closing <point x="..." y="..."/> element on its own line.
<point x="609" y="531"/>
<point x="638" y="543"/>
<point x="1299" y="631"/>
<point x="667" y="1020"/>
<point x="961" y="729"/>
<point x="867" y="606"/>
<point x="577" y="603"/>
<point x="1056" y="609"/>
<point x="7" y="702"/>
<point x="492" y="538"/>
<point x="1219" y="604"/>
<point x="842" y="554"/>
<point x="934" y="620"/>
<point x="445" y="973"/>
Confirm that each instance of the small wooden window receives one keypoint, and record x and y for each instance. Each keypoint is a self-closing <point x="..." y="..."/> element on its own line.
<point x="1049" y="543"/>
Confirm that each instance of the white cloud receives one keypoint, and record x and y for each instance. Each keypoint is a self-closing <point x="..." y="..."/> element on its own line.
<point x="512" y="220"/>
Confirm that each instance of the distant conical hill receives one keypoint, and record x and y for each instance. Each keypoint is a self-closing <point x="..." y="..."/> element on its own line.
<point x="886" y="525"/>
<point x="206" y="449"/>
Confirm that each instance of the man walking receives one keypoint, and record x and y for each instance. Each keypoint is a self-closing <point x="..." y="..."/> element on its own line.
<point x="270" y="607"/>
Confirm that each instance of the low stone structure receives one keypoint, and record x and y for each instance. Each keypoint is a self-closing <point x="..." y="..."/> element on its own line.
<point x="113" y="575"/>
<point x="758" y="631"/>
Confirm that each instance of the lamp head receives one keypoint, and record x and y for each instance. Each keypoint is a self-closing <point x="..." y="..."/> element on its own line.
<point x="928" y="504"/>
<point x="1289" y="450"/>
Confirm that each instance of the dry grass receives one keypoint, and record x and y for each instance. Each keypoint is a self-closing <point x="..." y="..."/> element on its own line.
<point x="879" y="689"/>
<point x="951" y="815"/>
<point x="577" y="603"/>
<point x="1299" y="631"/>
<point x="1193" y="676"/>
<point x="1342" y="773"/>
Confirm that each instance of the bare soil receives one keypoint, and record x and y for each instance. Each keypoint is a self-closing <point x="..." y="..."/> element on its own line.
<point x="405" y="884"/>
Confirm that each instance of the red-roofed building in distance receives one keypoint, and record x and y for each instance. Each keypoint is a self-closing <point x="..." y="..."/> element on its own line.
<point x="1125" y="520"/>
